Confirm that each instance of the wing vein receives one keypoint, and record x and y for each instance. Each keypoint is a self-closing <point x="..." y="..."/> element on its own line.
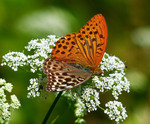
<point x="89" y="52"/>
<point x="92" y="47"/>
<point x="85" y="52"/>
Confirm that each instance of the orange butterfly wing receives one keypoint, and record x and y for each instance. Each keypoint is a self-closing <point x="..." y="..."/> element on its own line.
<point x="86" y="47"/>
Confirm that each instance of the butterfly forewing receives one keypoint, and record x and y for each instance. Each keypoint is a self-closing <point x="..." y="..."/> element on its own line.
<point x="67" y="50"/>
<point x="86" y="47"/>
<point x="62" y="76"/>
<point x="94" y="35"/>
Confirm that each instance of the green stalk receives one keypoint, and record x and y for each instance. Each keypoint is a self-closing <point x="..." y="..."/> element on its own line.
<point x="101" y="108"/>
<point x="51" y="108"/>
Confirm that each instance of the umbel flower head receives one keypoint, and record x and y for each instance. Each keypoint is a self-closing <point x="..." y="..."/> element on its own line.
<point x="5" y="106"/>
<point x="86" y="96"/>
<point x="115" y="111"/>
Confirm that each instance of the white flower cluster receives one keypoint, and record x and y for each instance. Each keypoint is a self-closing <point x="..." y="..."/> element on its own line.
<point x="33" y="88"/>
<point x="14" y="59"/>
<point x="86" y="98"/>
<point x="5" y="106"/>
<point x="15" y="102"/>
<point x="91" y="103"/>
<point x="41" y="48"/>
<point x="80" y="121"/>
<point x="115" y="80"/>
<point x="110" y="63"/>
<point x="80" y="108"/>
<point x="115" y="111"/>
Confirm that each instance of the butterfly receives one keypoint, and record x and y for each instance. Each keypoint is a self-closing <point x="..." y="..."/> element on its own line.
<point x="76" y="56"/>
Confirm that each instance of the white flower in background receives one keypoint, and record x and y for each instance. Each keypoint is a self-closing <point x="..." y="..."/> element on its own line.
<point x="2" y="91"/>
<point x="115" y="111"/>
<point x="80" y="121"/>
<point x="14" y="60"/>
<point x="80" y="108"/>
<point x="53" y="39"/>
<point x="91" y="98"/>
<point x="115" y="80"/>
<point x="8" y="87"/>
<point x="5" y="111"/>
<point x="2" y="81"/>
<point x="42" y="48"/>
<point x="109" y="63"/>
<point x="33" y="88"/>
<point x="5" y="106"/>
<point x="15" y="103"/>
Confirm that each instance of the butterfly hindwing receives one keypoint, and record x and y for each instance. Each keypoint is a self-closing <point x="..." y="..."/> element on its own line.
<point x="62" y="76"/>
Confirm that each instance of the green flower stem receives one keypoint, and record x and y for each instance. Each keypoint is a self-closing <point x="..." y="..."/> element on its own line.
<point x="101" y="108"/>
<point x="51" y="108"/>
<point x="39" y="74"/>
<point x="24" y="69"/>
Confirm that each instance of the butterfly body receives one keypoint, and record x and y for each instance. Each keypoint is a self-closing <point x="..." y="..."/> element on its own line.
<point x="84" y="48"/>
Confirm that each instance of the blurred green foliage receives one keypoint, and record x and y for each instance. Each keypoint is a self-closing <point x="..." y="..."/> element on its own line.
<point x="128" y="38"/>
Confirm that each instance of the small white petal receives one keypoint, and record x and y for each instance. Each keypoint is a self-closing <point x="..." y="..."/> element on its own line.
<point x="8" y="87"/>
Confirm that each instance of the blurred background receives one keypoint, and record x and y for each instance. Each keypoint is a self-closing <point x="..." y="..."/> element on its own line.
<point x="128" y="38"/>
